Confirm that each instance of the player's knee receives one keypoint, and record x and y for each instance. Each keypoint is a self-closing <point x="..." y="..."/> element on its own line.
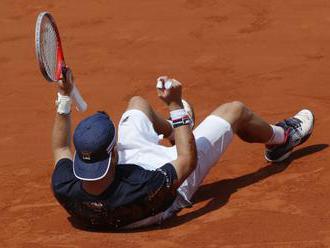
<point x="242" y="113"/>
<point x="137" y="102"/>
<point x="237" y="107"/>
<point x="234" y="112"/>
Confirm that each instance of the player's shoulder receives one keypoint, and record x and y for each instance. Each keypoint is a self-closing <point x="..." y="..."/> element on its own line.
<point x="64" y="164"/>
<point x="63" y="171"/>
<point x="64" y="161"/>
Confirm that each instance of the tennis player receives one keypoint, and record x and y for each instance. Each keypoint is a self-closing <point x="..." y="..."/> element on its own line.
<point x="123" y="178"/>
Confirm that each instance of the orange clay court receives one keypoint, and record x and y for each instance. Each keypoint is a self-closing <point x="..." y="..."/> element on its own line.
<point x="272" y="55"/>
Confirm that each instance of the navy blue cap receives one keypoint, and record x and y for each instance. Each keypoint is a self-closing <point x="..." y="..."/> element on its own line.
<point x="94" y="139"/>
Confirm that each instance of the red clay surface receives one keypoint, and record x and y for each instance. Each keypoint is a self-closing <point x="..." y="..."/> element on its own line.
<point x="273" y="55"/>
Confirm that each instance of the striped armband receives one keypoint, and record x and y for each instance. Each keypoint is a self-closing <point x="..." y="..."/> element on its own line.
<point x="179" y="118"/>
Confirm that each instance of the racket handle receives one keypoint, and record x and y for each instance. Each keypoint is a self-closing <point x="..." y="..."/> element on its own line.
<point x="81" y="105"/>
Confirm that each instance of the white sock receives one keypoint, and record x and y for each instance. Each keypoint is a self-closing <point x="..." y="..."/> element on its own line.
<point x="278" y="136"/>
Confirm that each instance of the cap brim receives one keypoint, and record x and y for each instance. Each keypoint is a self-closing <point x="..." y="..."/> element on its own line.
<point x="90" y="171"/>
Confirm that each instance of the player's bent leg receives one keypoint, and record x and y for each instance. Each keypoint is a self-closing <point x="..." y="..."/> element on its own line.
<point x="160" y="125"/>
<point x="280" y="139"/>
<point x="245" y="123"/>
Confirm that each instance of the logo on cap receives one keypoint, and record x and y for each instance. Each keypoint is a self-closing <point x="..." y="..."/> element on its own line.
<point x="86" y="155"/>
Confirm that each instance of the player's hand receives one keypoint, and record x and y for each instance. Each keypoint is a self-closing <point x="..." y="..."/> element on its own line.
<point x="170" y="91"/>
<point x="65" y="85"/>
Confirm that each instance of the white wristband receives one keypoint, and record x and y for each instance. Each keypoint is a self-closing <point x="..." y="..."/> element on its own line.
<point x="63" y="104"/>
<point x="177" y="114"/>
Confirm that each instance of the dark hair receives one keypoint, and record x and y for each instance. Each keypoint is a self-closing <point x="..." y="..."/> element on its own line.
<point x="103" y="112"/>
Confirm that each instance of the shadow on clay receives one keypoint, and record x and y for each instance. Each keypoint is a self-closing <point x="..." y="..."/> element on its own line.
<point x="220" y="192"/>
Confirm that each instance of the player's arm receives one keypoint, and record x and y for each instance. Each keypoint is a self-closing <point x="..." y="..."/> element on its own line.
<point x="62" y="125"/>
<point x="184" y="139"/>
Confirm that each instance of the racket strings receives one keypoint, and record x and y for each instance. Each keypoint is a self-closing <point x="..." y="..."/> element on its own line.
<point x="48" y="46"/>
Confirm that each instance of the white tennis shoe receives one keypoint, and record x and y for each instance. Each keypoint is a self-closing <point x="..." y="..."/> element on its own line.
<point x="297" y="130"/>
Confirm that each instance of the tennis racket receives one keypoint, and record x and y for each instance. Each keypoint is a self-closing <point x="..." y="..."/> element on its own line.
<point x="50" y="55"/>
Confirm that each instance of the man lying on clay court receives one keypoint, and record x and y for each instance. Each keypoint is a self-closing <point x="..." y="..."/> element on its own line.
<point x="124" y="179"/>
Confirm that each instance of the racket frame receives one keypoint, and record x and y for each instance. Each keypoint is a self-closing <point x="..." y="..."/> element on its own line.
<point x="59" y="49"/>
<point x="80" y="103"/>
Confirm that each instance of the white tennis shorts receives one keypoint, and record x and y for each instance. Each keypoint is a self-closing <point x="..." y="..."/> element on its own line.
<point x="138" y="143"/>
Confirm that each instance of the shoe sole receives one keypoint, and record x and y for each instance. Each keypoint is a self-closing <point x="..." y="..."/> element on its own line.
<point x="287" y="155"/>
<point x="281" y="159"/>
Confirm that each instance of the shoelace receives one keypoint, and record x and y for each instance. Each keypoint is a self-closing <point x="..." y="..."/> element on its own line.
<point x="293" y="122"/>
